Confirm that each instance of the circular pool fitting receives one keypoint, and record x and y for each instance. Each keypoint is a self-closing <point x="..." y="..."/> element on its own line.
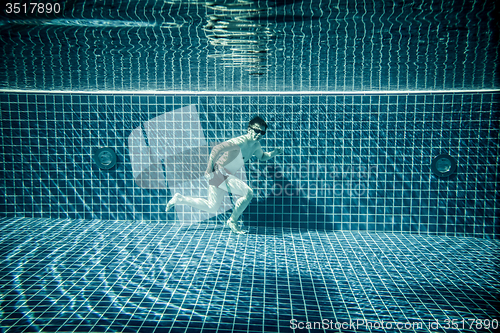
<point x="105" y="158"/>
<point x="443" y="165"/>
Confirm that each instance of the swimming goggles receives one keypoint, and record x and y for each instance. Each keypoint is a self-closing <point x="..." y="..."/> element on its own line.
<point x="258" y="131"/>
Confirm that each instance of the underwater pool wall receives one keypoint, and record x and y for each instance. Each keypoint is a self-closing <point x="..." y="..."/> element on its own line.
<point x="351" y="162"/>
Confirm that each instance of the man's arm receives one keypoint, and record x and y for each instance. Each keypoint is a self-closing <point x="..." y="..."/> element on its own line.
<point x="264" y="156"/>
<point x="218" y="150"/>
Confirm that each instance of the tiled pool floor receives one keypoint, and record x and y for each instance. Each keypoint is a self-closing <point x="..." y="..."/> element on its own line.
<point x="67" y="275"/>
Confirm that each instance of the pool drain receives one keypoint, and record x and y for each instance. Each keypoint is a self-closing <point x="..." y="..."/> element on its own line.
<point x="105" y="158"/>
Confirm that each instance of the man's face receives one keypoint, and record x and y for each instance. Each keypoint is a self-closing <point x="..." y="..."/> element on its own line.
<point x="256" y="131"/>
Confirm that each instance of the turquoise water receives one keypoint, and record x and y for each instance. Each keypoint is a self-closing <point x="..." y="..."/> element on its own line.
<point x="113" y="276"/>
<point x="350" y="229"/>
<point x="369" y="45"/>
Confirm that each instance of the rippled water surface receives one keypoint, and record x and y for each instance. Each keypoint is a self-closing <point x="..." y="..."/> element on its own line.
<point x="236" y="45"/>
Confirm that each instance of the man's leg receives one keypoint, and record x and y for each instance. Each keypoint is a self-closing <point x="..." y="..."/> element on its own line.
<point x="236" y="186"/>
<point x="215" y="197"/>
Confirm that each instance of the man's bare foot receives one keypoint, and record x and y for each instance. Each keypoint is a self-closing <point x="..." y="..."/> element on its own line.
<point x="172" y="202"/>
<point x="235" y="227"/>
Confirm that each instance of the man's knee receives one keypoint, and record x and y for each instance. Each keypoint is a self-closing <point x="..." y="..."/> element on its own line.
<point x="249" y="194"/>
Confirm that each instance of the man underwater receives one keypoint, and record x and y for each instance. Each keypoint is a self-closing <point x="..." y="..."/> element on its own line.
<point x="229" y="157"/>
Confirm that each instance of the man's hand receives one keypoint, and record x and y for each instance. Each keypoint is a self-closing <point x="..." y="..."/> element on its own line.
<point x="277" y="151"/>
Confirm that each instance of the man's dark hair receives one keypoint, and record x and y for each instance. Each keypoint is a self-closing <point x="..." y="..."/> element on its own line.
<point x="258" y="120"/>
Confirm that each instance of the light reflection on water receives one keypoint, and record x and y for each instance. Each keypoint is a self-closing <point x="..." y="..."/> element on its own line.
<point x="133" y="275"/>
<point x="238" y="45"/>
<point x="242" y="39"/>
<point x="125" y="275"/>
